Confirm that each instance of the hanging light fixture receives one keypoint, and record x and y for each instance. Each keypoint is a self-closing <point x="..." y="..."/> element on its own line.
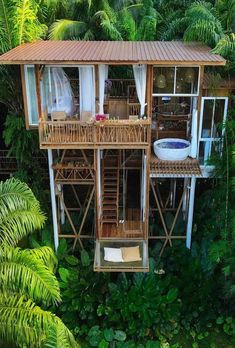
<point x="189" y="75"/>
<point x="161" y="81"/>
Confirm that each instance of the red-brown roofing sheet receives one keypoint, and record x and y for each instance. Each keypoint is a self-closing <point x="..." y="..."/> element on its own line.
<point x="155" y="52"/>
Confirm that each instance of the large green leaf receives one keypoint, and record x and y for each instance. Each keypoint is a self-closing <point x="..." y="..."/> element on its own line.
<point x="24" y="323"/>
<point x="20" y="212"/>
<point x="25" y="272"/>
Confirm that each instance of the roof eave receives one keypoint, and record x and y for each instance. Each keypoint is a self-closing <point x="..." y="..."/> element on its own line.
<point x="110" y="62"/>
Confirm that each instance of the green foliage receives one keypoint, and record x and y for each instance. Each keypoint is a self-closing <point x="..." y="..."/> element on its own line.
<point x="89" y="21"/>
<point x="24" y="323"/>
<point x="25" y="272"/>
<point x="215" y="218"/>
<point x="127" y="308"/>
<point x="26" y="275"/>
<point x="19" y="23"/>
<point x="144" y="310"/>
<point x="20" y="213"/>
<point x="23" y="145"/>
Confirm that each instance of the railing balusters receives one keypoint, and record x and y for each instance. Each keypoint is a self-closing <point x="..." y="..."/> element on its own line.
<point x="69" y="132"/>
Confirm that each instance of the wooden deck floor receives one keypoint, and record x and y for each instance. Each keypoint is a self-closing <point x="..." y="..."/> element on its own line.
<point x="132" y="227"/>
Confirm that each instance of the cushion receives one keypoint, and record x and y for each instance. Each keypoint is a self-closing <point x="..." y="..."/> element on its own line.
<point x="113" y="255"/>
<point x="130" y="254"/>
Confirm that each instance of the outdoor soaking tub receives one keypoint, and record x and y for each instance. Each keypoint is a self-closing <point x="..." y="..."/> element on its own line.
<point x="172" y="149"/>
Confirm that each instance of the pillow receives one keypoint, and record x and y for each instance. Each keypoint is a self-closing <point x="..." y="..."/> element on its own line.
<point x="113" y="255"/>
<point x="130" y="254"/>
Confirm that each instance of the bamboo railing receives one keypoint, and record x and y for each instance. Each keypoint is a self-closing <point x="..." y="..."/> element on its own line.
<point x="59" y="134"/>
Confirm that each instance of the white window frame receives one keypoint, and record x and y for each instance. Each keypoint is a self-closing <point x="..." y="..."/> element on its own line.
<point x="210" y="140"/>
<point x="27" y="88"/>
<point x="28" y="99"/>
<point x="175" y="72"/>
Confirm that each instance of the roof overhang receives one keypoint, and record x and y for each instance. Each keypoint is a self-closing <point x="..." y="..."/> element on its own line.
<point x="111" y="52"/>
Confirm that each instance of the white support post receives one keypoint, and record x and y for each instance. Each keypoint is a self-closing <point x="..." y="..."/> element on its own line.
<point x="190" y="213"/>
<point x="53" y="199"/>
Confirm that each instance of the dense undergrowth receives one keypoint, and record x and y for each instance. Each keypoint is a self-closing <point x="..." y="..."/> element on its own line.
<point x="183" y="307"/>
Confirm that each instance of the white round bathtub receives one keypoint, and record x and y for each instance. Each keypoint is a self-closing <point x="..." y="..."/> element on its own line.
<point x="172" y="149"/>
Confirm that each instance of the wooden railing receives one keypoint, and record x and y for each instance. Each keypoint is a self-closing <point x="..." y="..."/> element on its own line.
<point x="70" y="133"/>
<point x="128" y="132"/>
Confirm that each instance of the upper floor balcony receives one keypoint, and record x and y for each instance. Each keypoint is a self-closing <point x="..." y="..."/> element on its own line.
<point x="72" y="133"/>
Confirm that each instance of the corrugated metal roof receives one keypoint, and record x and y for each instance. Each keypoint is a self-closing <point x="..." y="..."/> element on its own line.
<point x="70" y="52"/>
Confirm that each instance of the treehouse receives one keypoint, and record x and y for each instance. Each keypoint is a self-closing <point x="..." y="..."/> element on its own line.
<point x="129" y="127"/>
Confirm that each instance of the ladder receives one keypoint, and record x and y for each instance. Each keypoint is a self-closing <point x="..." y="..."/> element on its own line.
<point x="110" y="190"/>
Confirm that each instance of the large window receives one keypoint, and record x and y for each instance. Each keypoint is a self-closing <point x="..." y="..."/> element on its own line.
<point x="213" y="115"/>
<point x="31" y="95"/>
<point x="175" y="80"/>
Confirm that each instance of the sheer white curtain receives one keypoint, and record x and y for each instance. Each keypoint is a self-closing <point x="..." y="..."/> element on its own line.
<point x="140" y="73"/>
<point x="103" y="75"/>
<point x="194" y="134"/>
<point x="56" y="91"/>
<point x="87" y="89"/>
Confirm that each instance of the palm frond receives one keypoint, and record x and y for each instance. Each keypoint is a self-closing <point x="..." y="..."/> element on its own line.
<point x="127" y="25"/>
<point x="225" y="46"/>
<point x="5" y="26"/>
<point x="202" y="31"/>
<point x="17" y="224"/>
<point x="26" y="25"/>
<point x="107" y="25"/>
<point x="60" y="337"/>
<point x="46" y="255"/>
<point x="21" y="271"/>
<point x="203" y="23"/>
<point x="172" y="29"/>
<point x="24" y="323"/>
<point x="147" y="28"/>
<point x="20" y="212"/>
<point x="65" y="29"/>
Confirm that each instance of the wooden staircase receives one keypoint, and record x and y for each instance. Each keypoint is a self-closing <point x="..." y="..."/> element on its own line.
<point x="110" y="190"/>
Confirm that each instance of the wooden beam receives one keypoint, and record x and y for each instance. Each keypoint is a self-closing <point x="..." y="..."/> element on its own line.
<point x="84" y="217"/>
<point x="38" y="91"/>
<point x="149" y="90"/>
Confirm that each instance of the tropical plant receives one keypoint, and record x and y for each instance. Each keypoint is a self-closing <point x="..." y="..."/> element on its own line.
<point x="24" y="324"/>
<point x="20" y="212"/>
<point x="19" y="23"/>
<point x="27" y="276"/>
<point x="91" y="20"/>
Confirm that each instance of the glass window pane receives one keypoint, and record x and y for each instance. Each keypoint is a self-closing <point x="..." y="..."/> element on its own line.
<point x="31" y="95"/>
<point x="207" y="118"/>
<point x="186" y="80"/>
<point x="163" y="80"/>
<point x="204" y="152"/>
<point x="218" y="118"/>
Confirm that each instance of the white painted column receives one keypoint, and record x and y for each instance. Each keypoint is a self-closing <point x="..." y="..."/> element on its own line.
<point x="53" y="199"/>
<point x="190" y="213"/>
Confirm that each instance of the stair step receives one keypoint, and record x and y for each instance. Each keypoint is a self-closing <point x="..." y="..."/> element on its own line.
<point x="114" y="180"/>
<point x="110" y="202"/>
<point x="109" y="207"/>
<point x="110" y="190"/>
<point x="109" y="221"/>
